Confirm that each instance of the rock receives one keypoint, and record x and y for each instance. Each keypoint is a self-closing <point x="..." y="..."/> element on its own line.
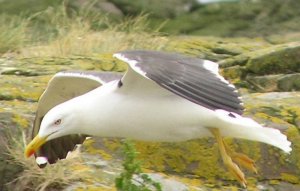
<point x="266" y="83"/>
<point x="166" y="183"/>
<point x="278" y="59"/>
<point x="96" y="161"/>
<point x="227" y="48"/>
<point x="239" y="60"/>
<point x="276" y="186"/>
<point x="199" y="158"/>
<point x="233" y="72"/>
<point x="226" y="52"/>
<point x="110" y="8"/>
<point x="101" y="6"/>
<point x="267" y="69"/>
<point x="269" y="83"/>
<point x="290" y="82"/>
<point x="19" y="72"/>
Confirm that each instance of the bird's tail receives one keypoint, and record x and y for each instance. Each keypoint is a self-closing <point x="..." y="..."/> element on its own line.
<point x="246" y="128"/>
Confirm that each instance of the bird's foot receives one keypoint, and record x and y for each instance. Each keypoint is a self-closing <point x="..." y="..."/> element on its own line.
<point x="244" y="161"/>
<point x="236" y="171"/>
<point x="233" y="167"/>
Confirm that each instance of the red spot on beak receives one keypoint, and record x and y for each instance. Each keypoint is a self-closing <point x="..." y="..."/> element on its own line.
<point x="30" y="153"/>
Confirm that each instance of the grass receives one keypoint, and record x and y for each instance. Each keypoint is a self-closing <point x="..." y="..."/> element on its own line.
<point x="32" y="177"/>
<point x="79" y="39"/>
<point x="70" y="171"/>
<point x="58" y="32"/>
<point x="12" y="33"/>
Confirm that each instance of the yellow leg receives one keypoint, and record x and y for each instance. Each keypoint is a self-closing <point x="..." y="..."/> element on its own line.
<point x="242" y="159"/>
<point x="233" y="168"/>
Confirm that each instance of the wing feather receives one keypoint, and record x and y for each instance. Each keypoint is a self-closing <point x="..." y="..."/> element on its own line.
<point x="62" y="87"/>
<point x="188" y="77"/>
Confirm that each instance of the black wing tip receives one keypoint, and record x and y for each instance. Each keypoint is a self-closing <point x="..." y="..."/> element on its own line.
<point x="154" y="63"/>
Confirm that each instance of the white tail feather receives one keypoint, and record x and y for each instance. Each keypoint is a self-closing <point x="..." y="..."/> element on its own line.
<point x="234" y="125"/>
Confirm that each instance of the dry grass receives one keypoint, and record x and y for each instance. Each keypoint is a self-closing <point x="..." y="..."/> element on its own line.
<point x="75" y="36"/>
<point x="12" y="33"/>
<point x="34" y="178"/>
<point x="80" y="41"/>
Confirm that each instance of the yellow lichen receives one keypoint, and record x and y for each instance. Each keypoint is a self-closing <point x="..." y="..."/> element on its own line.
<point x="290" y="178"/>
<point x="274" y="182"/>
<point x="88" y="144"/>
<point x="21" y="121"/>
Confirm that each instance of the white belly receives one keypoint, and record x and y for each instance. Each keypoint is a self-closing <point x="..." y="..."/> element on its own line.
<point x="159" y="116"/>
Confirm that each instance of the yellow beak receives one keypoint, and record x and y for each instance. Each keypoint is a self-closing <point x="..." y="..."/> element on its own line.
<point x="34" y="145"/>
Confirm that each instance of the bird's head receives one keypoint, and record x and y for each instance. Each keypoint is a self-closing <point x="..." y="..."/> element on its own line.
<point x="58" y="122"/>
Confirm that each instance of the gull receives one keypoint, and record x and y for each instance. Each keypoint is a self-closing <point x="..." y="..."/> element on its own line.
<point x="163" y="97"/>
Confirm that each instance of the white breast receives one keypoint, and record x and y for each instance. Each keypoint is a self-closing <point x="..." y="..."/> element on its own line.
<point x="152" y="114"/>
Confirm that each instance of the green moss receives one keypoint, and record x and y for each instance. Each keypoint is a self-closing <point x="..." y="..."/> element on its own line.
<point x="266" y="83"/>
<point x="6" y="96"/>
<point x="290" y="82"/>
<point x="274" y="60"/>
<point x="234" y="72"/>
<point x="239" y="60"/>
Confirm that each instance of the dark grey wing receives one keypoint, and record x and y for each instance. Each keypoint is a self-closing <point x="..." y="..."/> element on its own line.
<point x="194" y="79"/>
<point x="62" y="87"/>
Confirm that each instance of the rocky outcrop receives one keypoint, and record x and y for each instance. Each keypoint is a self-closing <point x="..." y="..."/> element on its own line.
<point x="274" y="68"/>
<point x="192" y="164"/>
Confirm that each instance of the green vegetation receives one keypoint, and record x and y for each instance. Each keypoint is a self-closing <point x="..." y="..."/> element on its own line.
<point x="58" y="31"/>
<point x="132" y="179"/>
<point x="26" y="7"/>
<point x="12" y="33"/>
<point x="30" y="176"/>
<point x="238" y="18"/>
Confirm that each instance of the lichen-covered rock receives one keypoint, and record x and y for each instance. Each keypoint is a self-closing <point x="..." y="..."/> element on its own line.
<point x="216" y="49"/>
<point x="281" y="110"/>
<point x="266" y="83"/>
<point x="275" y="82"/>
<point x="272" y="68"/>
<point x="234" y="72"/>
<point x="275" y="60"/>
<point x="198" y="159"/>
<point x="167" y="184"/>
<point x="290" y="82"/>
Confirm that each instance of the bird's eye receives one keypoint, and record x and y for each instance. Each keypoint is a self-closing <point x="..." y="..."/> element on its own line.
<point x="57" y="122"/>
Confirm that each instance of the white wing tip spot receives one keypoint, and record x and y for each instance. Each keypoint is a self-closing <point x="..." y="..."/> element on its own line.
<point x="214" y="68"/>
<point x="230" y="85"/>
<point x="211" y="66"/>
<point x="121" y="57"/>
